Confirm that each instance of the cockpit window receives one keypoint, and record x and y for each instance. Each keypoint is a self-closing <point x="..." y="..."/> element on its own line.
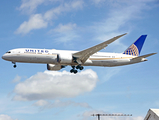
<point x="8" y="52"/>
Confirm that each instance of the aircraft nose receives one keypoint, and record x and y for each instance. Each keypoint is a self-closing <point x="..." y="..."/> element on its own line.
<point x="7" y="57"/>
<point x="4" y="57"/>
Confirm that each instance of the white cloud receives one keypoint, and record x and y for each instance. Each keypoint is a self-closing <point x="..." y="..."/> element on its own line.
<point x="98" y="1"/>
<point x="109" y="73"/>
<point x="65" y="33"/>
<point x="111" y="26"/>
<point x="117" y="20"/>
<point x="78" y="4"/>
<point x="5" y="117"/>
<point x="38" y="21"/>
<point x="65" y="37"/>
<point x="41" y="103"/>
<point x="66" y="7"/>
<point x="17" y="78"/>
<point x="64" y="28"/>
<point x="54" y="84"/>
<point x="53" y="13"/>
<point x="120" y="13"/>
<point x="35" y="22"/>
<point x="58" y="104"/>
<point x="117" y="3"/>
<point x="29" y="6"/>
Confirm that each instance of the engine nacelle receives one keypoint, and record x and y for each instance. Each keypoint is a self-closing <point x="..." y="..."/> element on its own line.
<point x="54" y="67"/>
<point x="64" y="58"/>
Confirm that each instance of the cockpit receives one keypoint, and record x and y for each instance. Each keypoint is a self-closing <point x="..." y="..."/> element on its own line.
<point x="8" y="52"/>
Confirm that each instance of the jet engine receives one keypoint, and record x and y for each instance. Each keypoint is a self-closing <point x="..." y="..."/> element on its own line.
<point x="54" y="67"/>
<point x="64" y="58"/>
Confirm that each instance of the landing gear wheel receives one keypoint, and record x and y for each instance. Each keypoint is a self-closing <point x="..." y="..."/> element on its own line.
<point x="79" y="67"/>
<point x="14" y="66"/>
<point x="73" y="71"/>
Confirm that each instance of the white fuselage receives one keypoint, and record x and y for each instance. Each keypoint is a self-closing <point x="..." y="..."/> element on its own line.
<point x="49" y="56"/>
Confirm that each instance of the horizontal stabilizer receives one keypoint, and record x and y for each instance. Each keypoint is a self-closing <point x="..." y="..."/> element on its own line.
<point x="143" y="56"/>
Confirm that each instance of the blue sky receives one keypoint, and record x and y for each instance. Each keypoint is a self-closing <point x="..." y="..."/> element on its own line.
<point x="31" y="92"/>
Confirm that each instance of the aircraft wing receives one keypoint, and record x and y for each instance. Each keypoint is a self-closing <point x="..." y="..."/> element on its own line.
<point x="82" y="56"/>
<point x="143" y="56"/>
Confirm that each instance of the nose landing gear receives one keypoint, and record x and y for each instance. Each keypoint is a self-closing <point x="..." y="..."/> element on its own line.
<point x="14" y="64"/>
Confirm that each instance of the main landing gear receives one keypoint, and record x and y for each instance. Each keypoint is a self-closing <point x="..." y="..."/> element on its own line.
<point x="73" y="70"/>
<point x="14" y="64"/>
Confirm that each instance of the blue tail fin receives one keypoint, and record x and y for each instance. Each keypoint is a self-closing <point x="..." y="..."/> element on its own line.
<point x="136" y="47"/>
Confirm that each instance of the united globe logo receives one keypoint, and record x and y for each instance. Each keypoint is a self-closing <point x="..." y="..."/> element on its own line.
<point x="132" y="50"/>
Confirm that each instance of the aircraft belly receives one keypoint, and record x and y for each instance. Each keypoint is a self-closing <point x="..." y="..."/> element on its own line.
<point x="109" y="63"/>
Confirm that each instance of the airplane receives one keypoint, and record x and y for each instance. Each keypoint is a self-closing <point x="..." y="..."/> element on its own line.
<point x="58" y="59"/>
